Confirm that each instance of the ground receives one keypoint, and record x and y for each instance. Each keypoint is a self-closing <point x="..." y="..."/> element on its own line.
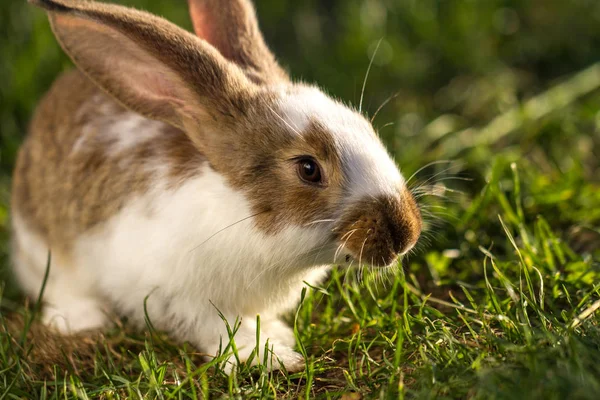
<point x="495" y="108"/>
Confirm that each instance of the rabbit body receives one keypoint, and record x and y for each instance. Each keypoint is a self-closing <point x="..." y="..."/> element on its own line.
<point x="187" y="179"/>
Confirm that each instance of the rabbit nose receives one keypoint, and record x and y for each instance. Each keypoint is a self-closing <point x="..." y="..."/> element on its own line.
<point x="382" y="228"/>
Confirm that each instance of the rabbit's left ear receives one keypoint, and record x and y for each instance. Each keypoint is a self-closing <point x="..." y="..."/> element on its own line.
<point x="153" y="67"/>
<point x="231" y="26"/>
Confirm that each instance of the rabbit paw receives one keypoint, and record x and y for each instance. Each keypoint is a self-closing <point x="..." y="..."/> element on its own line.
<point x="275" y="347"/>
<point x="74" y="315"/>
<point x="277" y="357"/>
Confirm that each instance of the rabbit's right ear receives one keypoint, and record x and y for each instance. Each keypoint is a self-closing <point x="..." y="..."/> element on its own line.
<point x="231" y="26"/>
<point x="148" y="64"/>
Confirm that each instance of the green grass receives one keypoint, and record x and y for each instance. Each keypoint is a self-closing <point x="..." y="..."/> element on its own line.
<point x="500" y="298"/>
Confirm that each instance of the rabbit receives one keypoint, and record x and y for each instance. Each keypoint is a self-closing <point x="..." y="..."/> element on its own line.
<point x="186" y="176"/>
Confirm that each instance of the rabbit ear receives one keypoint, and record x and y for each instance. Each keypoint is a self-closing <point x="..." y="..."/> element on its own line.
<point x="147" y="63"/>
<point x="231" y="26"/>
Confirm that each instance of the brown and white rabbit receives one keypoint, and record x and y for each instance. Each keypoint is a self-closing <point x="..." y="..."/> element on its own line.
<point x="191" y="171"/>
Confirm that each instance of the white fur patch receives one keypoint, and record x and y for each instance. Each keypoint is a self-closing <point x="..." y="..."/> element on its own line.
<point x="369" y="168"/>
<point x="117" y="135"/>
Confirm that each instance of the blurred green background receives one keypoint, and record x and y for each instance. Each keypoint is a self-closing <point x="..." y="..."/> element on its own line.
<point x="466" y="58"/>
<point x="447" y="65"/>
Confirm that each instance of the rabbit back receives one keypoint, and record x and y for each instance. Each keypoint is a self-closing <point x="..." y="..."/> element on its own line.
<point x="86" y="156"/>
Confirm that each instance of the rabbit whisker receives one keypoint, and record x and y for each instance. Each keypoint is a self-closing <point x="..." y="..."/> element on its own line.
<point x="392" y="97"/>
<point x="428" y="181"/>
<point x="385" y="126"/>
<point x="227" y="227"/>
<point x="362" y="92"/>
<point x="319" y="221"/>
<point x="427" y="165"/>
<point x="296" y="258"/>
<point x="295" y="130"/>
<point x="363" y="247"/>
<point x="341" y="246"/>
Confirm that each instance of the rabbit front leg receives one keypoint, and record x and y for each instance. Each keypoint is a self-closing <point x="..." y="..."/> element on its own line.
<point x="278" y="329"/>
<point x="274" y="339"/>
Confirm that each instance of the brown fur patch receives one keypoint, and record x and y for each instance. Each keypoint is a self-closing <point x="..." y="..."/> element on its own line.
<point x="377" y="230"/>
<point x="267" y="172"/>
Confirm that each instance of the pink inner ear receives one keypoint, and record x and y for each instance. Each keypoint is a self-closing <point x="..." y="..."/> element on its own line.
<point x="156" y="85"/>
<point x="201" y="21"/>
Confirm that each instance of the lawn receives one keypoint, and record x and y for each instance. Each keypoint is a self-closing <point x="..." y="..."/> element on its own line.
<point x="492" y="108"/>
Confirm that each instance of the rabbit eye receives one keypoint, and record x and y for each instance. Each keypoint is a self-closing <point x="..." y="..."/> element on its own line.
<point x="309" y="171"/>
